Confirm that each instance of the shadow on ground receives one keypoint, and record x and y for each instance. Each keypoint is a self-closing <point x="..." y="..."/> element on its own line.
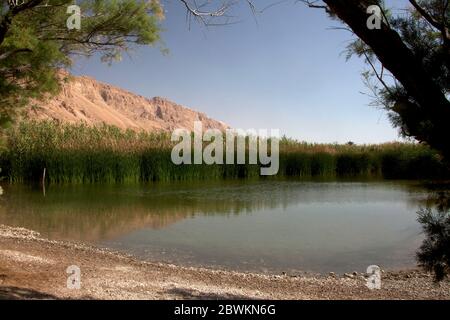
<point x="16" y="293"/>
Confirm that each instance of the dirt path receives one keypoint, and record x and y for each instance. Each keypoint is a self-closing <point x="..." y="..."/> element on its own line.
<point x="33" y="267"/>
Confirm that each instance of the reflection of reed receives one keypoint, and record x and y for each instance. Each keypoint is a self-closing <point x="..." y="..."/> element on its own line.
<point x="91" y="221"/>
<point x="92" y="213"/>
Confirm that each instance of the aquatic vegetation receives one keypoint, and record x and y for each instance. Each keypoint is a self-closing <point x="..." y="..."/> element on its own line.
<point x="77" y="153"/>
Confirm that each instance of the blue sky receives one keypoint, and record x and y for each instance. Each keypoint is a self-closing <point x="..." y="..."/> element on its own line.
<point x="287" y="71"/>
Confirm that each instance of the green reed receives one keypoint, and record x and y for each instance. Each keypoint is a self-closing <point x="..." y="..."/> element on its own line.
<point x="77" y="153"/>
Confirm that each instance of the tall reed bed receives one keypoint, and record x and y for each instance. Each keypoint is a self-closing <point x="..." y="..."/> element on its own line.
<point x="77" y="153"/>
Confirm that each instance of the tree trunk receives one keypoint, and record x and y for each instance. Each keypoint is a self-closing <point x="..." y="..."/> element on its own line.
<point x="395" y="56"/>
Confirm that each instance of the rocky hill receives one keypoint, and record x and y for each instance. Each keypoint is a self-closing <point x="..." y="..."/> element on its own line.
<point x="83" y="99"/>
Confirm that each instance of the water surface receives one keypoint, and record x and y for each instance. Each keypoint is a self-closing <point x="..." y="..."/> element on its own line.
<point x="266" y="226"/>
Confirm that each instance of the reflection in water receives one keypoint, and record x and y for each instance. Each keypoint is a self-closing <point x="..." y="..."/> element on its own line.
<point x="434" y="253"/>
<point x="263" y="226"/>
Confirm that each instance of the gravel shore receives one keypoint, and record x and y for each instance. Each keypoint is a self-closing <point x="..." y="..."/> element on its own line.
<point x="32" y="267"/>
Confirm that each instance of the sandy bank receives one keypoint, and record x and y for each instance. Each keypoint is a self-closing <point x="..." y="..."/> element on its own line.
<point x="34" y="267"/>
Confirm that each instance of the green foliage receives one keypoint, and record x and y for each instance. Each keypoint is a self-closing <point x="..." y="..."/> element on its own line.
<point x="425" y="30"/>
<point x="35" y="42"/>
<point x="434" y="253"/>
<point x="82" y="154"/>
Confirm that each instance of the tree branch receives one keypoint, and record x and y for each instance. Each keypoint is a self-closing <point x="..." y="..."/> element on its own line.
<point x="436" y="24"/>
<point x="15" y="10"/>
<point x="312" y="4"/>
<point x="7" y="54"/>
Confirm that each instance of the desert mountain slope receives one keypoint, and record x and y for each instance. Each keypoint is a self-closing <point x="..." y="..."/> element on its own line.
<point x="83" y="99"/>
